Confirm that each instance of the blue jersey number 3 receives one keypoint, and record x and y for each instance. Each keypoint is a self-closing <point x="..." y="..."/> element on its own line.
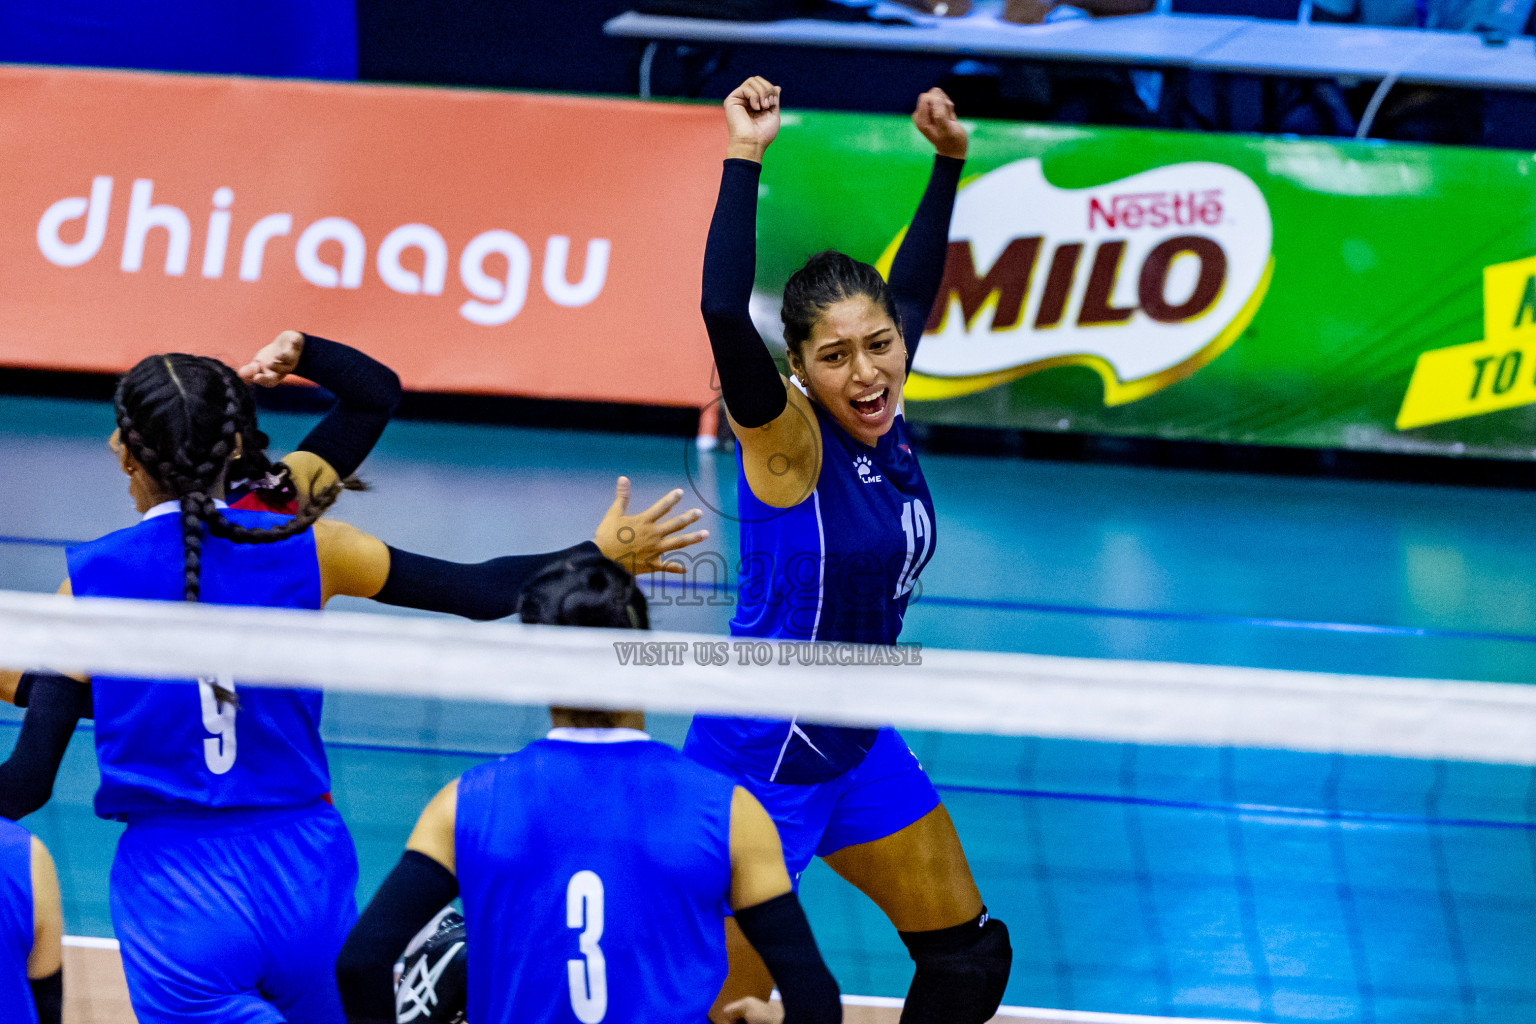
<point x="589" y="975"/>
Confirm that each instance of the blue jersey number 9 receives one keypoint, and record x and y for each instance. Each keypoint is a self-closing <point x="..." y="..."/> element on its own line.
<point x="219" y="719"/>
<point x="589" y="976"/>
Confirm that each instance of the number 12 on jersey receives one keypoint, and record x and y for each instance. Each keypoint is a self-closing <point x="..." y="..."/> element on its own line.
<point x="589" y="975"/>
<point x="919" y="530"/>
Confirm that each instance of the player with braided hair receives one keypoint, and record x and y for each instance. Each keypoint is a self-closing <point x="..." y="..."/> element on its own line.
<point x="366" y="393"/>
<point x="188" y="455"/>
<point x="232" y="888"/>
<point x="227" y="825"/>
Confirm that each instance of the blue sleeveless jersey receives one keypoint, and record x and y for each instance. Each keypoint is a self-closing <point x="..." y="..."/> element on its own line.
<point x="16" y="917"/>
<point x="840" y="565"/>
<point x="595" y="879"/>
<point x="168" y="747"/>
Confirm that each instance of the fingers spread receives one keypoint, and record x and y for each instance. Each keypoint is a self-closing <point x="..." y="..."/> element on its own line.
<point x="659" y="509"/>
<point x="683" y="540"/>
<point x="677" y="523"/>
<point x="620" y="495"/>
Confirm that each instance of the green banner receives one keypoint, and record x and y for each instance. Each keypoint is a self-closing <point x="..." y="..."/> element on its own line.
<point x="1203" y="287"/>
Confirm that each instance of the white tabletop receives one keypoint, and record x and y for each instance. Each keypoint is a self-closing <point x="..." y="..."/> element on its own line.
<point x="1206" y="43"/>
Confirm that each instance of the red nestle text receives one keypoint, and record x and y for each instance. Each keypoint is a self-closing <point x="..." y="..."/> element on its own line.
<point x="1132" y="210"/>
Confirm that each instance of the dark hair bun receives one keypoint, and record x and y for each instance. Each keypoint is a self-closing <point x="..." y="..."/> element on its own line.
<point x="588" y="590"/>
<point x="827" y="278"/>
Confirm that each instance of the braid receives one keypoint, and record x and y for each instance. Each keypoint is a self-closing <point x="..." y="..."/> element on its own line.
<point x="192" y="545"/>
<point x="174" y="468"/>
<point x="272" y="480"/>
<point x="311" y="508"/>
<point x="187" y="447"/>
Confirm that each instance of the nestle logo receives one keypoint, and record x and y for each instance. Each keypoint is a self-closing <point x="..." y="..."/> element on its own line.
<point x="1133" y="210"/>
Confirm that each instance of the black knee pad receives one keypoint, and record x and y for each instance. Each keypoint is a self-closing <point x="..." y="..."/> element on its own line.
<point x="961" y="972"/>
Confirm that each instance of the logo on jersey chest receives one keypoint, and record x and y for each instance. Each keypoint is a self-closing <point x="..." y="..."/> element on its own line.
<point x="866" y="470"/>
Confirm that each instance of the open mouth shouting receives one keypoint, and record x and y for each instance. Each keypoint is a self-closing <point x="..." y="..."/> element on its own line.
<point x="871" y="407"/>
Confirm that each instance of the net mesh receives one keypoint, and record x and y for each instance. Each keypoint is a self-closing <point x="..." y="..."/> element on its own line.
<point x="1164" y="840"/>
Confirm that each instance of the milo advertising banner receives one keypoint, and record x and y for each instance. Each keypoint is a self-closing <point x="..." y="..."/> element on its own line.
<point x="1201" y="287"/>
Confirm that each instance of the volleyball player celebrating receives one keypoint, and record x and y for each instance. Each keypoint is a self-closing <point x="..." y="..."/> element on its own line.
<point x="594" y="865"/>
<point x="232" y="887"/>
<point x="31" y="930"/>
<point x="367" y="393"/>
<point x="836" y="525"/>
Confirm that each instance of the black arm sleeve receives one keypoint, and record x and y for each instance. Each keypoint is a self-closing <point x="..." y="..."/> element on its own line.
<point x="481" y="590"/>
<point x="411" y="895"/>
<point x="782" y="936"/>
<point x="367" y="393"/>
<point x="918" y="268"/>
<point x="48" y="994"/>
<point x="749" y="380"/>
<point x="55" y="706"/>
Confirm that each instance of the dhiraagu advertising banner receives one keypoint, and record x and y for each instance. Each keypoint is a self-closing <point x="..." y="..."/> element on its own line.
<point x="1202" y="287"/>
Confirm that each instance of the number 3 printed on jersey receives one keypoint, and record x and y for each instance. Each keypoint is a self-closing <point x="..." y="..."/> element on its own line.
<point x="589" y="976"/>
<point x="219" y="719"/>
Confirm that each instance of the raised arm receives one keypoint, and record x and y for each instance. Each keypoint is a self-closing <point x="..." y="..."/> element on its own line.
<point x="918" y="268"/>
<point x="749" y="381"/>
<point x="774" y="421"/>
<point x="366" y="391"/>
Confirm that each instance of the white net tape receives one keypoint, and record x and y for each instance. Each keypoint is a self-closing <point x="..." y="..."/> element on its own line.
<point x="958" y="691"/>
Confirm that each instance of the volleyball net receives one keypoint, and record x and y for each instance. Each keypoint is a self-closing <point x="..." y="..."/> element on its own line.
<point x="1178" y="841"/>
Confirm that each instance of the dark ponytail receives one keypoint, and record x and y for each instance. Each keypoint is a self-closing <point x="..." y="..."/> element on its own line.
<point x="181" y="417"/>
<point x="828" y="278"/>
<point x="589" y="590"/>
<point x="272" y="481"/>
<point x="253" y="467"/>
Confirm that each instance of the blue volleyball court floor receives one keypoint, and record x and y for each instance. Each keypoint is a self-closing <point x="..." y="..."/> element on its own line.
<point x="1178" y="882"/>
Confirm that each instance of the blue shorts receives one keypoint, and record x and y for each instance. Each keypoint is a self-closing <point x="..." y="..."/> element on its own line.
<point x="235" y="918"/>
<point x="878" y="797"/>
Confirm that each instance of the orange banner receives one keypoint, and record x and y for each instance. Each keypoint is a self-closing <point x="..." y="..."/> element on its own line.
<point x="475" y="241"/>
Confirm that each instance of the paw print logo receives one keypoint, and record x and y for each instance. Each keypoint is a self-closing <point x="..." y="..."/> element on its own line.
<point x="863" y="466"/>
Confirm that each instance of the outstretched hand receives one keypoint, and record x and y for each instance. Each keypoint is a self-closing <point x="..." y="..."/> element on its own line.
<point x="638" y="542"/>
<point x="752" y="118"/>
<point x="274" y="362"/>
<point x="935" y="118"/>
